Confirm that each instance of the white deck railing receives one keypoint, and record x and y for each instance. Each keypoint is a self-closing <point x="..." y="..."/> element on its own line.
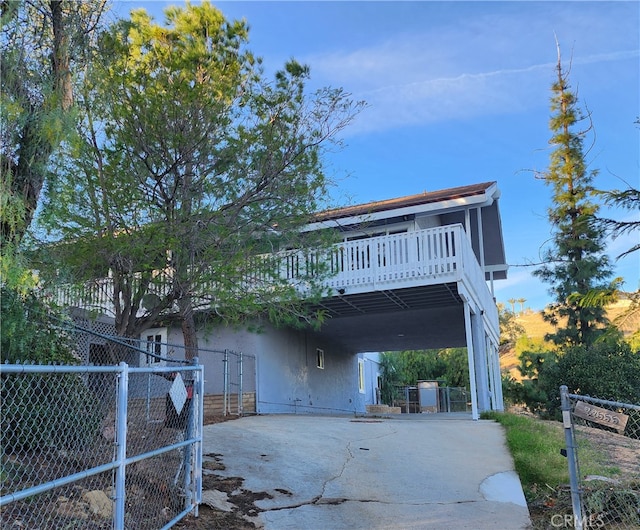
<point x="428" y="254"/>
<point x="423" y="257"/>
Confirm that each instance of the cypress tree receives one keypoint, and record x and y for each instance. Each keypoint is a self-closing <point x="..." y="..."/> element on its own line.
<point x="575" y="262"/>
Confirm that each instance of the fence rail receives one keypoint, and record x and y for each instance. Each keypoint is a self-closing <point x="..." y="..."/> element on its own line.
<point x="100" y="447"/>
<point x="605" y="490"/>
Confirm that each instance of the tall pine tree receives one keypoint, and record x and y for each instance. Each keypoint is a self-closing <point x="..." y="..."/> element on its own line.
<point x="575" y="262"/>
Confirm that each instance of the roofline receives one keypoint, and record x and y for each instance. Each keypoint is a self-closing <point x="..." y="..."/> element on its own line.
<point x="482" y="194"/>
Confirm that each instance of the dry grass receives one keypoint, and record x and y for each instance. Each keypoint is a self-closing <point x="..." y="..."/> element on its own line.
<point x="536" y="328"/>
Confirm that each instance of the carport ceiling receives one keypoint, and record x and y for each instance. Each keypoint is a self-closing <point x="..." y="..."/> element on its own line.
<point x="423" y="297"/>
<point x="415" y="318"/>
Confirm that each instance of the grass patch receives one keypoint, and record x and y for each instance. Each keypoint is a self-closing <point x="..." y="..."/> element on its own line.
<point x="535" y="447"/>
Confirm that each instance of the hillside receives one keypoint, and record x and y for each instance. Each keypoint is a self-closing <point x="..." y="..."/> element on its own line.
<point x="536" y="328"/>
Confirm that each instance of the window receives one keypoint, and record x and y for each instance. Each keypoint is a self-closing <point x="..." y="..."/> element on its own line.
<point x="154" y="345"/>
<point x="320" y="358"/>
<point x="361" y="375"/>
<point x="154" y="342"/>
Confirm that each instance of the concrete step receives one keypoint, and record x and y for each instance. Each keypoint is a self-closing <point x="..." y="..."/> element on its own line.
<point x="383" y="409"/>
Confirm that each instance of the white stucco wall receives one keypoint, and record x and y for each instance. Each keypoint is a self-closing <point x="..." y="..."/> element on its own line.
<point x="371" y="373"/>
<point x="287" y="378"/>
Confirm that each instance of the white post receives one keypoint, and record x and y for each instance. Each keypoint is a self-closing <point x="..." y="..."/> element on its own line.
<point x="481" y="361"/>
<point x="494" y="381"/>
<point x="470" y="357"/>
<point x="480" y="239"/>
<point x="467" y="224"/>
<point x="498" y="388"/>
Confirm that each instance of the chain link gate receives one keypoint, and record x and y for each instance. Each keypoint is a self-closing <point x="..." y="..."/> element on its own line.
<point x="99" y="447"/>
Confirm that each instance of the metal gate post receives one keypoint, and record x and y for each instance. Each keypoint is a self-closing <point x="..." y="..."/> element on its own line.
<point x="225" y="396"/>
<point x="121" y="445"/>
<point x="198" y="387"/>
<point x="191" y="461"/>
<point x="567" y="423"/>
<point x="240" y="403"/>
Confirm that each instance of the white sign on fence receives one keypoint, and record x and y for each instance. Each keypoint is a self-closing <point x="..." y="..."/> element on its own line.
<point x="178" y="393"/>
<point x="602" y="416"/>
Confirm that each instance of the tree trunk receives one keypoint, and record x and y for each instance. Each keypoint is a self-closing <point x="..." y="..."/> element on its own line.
<point x="189" y="332"/>
<point x="60" y="57"/>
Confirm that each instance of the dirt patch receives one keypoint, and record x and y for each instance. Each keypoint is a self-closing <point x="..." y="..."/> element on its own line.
<point x="243" y="509"/>
<point x="618" y="452"/>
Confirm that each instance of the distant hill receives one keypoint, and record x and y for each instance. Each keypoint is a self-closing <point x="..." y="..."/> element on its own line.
<point x="536" y="328"/>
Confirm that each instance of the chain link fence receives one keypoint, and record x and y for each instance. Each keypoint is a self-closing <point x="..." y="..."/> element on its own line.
<point x="603" y="452"/>
<point x="99" y="447"/>
<point x="413" y="399"/>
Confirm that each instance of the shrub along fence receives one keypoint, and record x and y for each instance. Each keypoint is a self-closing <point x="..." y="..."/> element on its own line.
<point x="592" y="427"/>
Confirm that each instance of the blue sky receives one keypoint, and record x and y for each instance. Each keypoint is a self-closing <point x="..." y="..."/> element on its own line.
<point x="458" y="93"/>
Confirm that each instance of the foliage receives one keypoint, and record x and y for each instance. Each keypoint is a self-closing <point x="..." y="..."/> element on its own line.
<point x="26" y="330"/>
<point x="526" y="344"/>
<point x="40" y="412"/>
<point x="189" y="166"/>
<point x="575" y="262"/>
<point x="510" y="329"/>
<point x="607" y="369"/>
<point x="449" y="366"/>
<point x="628" y="199"/>
<point x="42" y="43"/>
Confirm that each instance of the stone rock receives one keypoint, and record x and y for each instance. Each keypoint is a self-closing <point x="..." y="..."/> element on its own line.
<point x="99" y="503"/>
<point x="217" y="500"/>
<point x="72" y="509"/>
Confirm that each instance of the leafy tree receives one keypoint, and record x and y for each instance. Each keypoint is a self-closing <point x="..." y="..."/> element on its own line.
<point x="510" y="329"/>
<point x="191" y="164"/>
<point x="627" y="199"/>
<point x="457" y="367"/>
<point x="449" y="366"/>
<point x="575" y="262"/>
<point x="42" y="44"/>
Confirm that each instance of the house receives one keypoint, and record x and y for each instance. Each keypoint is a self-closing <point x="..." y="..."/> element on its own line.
<point x="415" y="272"/>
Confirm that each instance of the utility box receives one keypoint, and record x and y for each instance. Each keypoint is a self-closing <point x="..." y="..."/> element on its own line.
<point x="428" y="396"/>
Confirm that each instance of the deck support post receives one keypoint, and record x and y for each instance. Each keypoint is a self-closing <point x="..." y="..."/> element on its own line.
<point x="471" y="359"/>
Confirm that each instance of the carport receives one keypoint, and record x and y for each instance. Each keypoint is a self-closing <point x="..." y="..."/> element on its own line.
<point x="421" y="317"/>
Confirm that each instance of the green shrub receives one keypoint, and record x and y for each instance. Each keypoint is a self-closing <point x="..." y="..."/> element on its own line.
<point x="26" y="331"/>
<point x="607" y="369"/>
<point x="41" y="412"/>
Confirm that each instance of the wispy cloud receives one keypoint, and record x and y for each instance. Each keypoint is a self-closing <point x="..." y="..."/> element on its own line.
<point x="480" y="66"/>
<point x="463" y="95"/>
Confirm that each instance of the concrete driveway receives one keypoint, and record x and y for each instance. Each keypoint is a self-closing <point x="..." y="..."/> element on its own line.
<point x="331" y="473"/>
